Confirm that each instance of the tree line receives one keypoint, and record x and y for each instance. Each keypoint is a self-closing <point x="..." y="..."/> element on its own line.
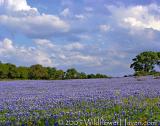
<point x="146" y="63"/>
<point x="39" y="72"/>
<point x="143" y="64"/>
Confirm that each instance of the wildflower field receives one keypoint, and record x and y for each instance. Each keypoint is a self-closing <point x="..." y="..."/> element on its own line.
<point x="116" y="101"/>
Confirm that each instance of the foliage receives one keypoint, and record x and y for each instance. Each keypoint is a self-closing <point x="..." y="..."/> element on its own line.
<point x="98" y="75"/>
<point x="4" y="70"/>
<point x="38" y="72"/>
<point x="82" y="75"/>
<point x="59" y="74"/>
<point x="91" y="76"/>
<point x="145" y="62"/>
<point x="23" y="72"/>
<point x="71" y="74"/>
<point x="51" y="73"/>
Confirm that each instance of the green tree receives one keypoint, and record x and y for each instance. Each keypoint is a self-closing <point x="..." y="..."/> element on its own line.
<point x="82" y="75"/>
<point x="38" y="72"/>
<point x="4" y="70"/>
<point x="13" y="73"/>
<point x="71" y="74"/>
<point x="98" y="75"/>
<point x="90" y="76"/>
<point x="158" y="61"/>
<point x="51" y="73"/>
<point x="145" y="62"/>
<point x="23" y="72"/>
<point x="59" y="75"/>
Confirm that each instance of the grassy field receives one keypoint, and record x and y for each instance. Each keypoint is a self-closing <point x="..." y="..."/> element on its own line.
<point x="117" y="101"/>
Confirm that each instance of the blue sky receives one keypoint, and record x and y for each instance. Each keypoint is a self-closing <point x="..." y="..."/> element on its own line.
<point x="94" y="36"/>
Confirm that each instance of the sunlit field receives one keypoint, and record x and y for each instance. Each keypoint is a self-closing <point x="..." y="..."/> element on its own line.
<point x="115" y="101"/>
<point x="79" y="62"/>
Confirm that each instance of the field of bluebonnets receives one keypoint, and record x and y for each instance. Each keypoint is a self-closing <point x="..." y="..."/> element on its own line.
<point x="112" y="101"/>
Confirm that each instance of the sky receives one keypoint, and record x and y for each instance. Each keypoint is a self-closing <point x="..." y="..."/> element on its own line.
<point x="93" y="36"/>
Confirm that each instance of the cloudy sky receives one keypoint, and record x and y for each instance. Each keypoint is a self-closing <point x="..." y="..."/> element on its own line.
<point x="94" y="36"/>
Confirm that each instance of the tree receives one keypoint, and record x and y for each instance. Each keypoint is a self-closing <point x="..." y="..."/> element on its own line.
<point x="98" y="75"/>
<point x="71" y="74"/>
<point x="4" y="70"/>
<point x="38" y="72"/>
<point x="51" y="73"/>
<point x="158" y="61"/>
<point x="59" y="75"/>
<point x="82" y="75"/>
<point x="145" y="62"/>
<point x="23" y="72"/>
<point x="90" y="76"/>
<point x="12" y="74"/>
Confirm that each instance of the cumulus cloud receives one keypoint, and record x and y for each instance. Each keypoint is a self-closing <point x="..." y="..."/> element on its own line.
<point x="130" y="30"/>
<point x="68" y="54"/>
<point x="22" y="18"/>
<point x="7" y="44"/>
<point x="46" y="53"/>
<point x="140" y="16"/>
<point x="44" y="43"/>
<point x="15" y="5"/>
<point x="21" y="54"/>
<point x="43" y="25"/>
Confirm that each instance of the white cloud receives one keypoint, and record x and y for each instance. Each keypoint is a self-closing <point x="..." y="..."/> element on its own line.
<point x="36" y="26"/>
<point x="69" y="54"/>
<point x="73" y="46"/>
<point x="16" y="5"/>
<point x="87" y="58"/>
<point x="44" y="42"/>
<point x="29" y="21"/>
<point x="80" y="16"/>
<point x="104" y="28"/>
<point x="7" y="44"/>
<point x="21" y="54"/>
<point x="139" y="16"/>
<point x="46" y="53"/>
<point x="65" y="12"/>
